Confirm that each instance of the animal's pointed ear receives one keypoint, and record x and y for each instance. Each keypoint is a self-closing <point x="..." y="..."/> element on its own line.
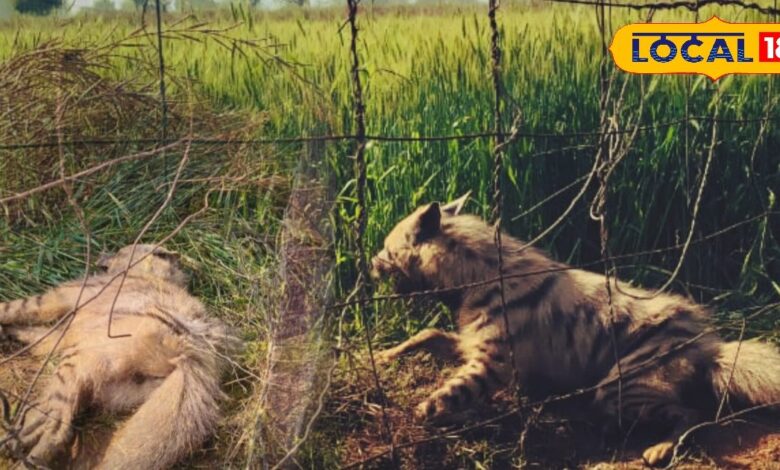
<point x="104" y="260"/>
<point x="429" y="223"/>
<point x="453" y="208"/>
<point x="167" y="254"/>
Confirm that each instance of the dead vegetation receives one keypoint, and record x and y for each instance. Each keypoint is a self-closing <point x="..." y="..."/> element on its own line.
<point x="60" y="101"/>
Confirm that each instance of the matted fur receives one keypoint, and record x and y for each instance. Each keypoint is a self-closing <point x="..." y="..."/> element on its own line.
<point x="673" y="370"/>
<point x="164" y="361"/>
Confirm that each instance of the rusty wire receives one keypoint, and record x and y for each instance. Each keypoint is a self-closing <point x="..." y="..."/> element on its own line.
<point x="161" y="63"/>
<point x="362" y="283"/>
<point x="500" y="144"/>
<point x="692" y="5"/>
<point x="201" y="140"/>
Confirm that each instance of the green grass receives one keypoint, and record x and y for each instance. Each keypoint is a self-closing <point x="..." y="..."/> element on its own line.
<point x="425" y="73"/>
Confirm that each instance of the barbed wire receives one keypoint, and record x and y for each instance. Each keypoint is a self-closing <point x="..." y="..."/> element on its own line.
<point x="161" y="67"/>
<point x="692" y="5"/>
<point x="361" y="176"/>
<point x="500" y="143"/>
<point x="197" y="141"/>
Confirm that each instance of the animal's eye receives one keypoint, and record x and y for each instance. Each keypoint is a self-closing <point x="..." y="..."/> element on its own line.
<point x="167" y="255"/>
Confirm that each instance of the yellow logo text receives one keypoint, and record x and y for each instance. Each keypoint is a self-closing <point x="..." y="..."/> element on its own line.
<point x="714" y="48"/>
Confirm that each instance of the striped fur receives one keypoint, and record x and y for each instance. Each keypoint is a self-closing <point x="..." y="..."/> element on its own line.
<point x="164" y="361"/>
<point x="561" y="328"/>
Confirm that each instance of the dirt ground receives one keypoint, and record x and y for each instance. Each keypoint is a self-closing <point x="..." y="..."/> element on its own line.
<point x="556" y="438"/>
<point x="353" y="429"/>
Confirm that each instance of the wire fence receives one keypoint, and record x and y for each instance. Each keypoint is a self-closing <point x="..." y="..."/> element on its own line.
<point x="613" y="146"/>
<point x="612" y="143"/>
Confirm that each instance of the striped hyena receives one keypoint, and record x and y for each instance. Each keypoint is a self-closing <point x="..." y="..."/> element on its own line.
<point x="163" y="361"/>
<point x="672" y="367"/>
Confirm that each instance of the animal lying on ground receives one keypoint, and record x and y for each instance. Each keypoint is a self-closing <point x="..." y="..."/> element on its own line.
<point x="673" y="368"/>
<point x="164" y="360"/>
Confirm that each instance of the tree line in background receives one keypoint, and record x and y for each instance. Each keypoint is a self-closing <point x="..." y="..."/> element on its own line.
<point x="36" y="7"/>
<point x="44" y="7"/>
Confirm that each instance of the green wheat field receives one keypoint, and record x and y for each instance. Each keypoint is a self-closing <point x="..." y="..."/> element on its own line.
<point x="241" y="75"/>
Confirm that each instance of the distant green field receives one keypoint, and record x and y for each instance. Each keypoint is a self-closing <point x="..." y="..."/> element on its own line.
<point x="426" y="73"/>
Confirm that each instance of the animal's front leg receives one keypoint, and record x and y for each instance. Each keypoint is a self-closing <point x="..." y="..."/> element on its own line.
<point x="45" y="307"/>
<point x="47" y="425"/>
<point x="439" y="343"/>
<point x="21" y="311"/>
<point x="475" y="381"/>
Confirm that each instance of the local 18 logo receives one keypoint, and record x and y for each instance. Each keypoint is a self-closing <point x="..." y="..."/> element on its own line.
<point x="714" y="48"/>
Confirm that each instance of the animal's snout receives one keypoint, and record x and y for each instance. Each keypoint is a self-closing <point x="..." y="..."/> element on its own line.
<point x="380" y="266"/>
<point x="376" y="268"/>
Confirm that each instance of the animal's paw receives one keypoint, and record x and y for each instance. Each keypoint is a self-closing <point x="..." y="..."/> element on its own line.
<point x="659" y="454"/>
<point x="437" y="408"/>
<point x="444" y="418"/>
<point x="383" y="358"/>
<point x="428" y="411"/>
<point x="45" y="433"/>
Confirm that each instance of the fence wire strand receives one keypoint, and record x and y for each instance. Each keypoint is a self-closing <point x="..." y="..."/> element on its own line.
<point x="362" y="284"/>
<point x="200" y="141"/>
<point x="500" y="144"/>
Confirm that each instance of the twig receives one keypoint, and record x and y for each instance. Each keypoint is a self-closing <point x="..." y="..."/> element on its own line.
<point x="89" y="171"/>
<point x="731" y="372"/>
<point x="731" y="417"/>
<point x="182" y="163"/>
<point x="695" y="212"/>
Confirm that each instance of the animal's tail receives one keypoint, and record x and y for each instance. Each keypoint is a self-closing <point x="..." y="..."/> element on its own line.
<point x="749" y="373"/>
<point x="175" y="420"/>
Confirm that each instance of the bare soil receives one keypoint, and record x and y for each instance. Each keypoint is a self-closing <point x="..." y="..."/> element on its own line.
<point x="352" y="428"/>
<point x="560" y="437"/>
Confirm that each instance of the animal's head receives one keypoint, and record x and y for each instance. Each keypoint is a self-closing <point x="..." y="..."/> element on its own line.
<point x="146" y="261"/>
<point x="411" y="243"/>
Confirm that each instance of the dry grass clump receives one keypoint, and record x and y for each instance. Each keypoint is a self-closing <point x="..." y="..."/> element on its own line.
<point x="55" y="93"/>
